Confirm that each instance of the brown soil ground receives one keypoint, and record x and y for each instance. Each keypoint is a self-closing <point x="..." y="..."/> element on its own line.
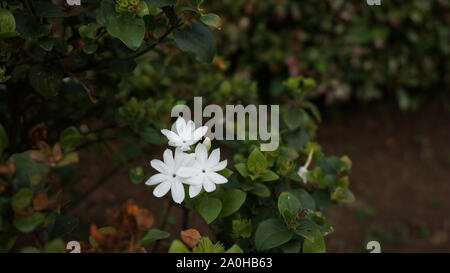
<point x="400" y="177"/>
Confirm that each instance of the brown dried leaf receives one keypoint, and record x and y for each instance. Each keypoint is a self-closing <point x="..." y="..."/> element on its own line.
<point x="190" y="237"/>
<point x="57" y="153"/>
<point x="40" y="201"/>
<point x="144" y="219"/>
<point x="97" y="235"/>
<point x="38" y="133"/>
<point x="8" y="170"/>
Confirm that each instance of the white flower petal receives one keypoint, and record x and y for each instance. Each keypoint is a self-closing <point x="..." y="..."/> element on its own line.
<point x="162" y="188"/>
<point x="160" y="166"/>
<point x="177" y="190"/>
<point x="194" y="180"/>
<point x="201" y="153"/>
<point x="168" y="159"/>
<point x="214" y="158"/>
<point x="216" y="178"/>
<point x="200" y="132"/>
<point x="171" y="136"/>
<point x="220" y="166"/>
<point x="181" y="126"/>
<point x="156" y="179"/>
<point x="187" y="172"/>
<point x="208" y="185"/>
<point x="194" y="190"/>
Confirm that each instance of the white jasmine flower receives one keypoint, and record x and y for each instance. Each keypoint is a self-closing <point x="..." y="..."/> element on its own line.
<point x="302" y="173"/>
<point x="186" y="134"/>
<point x="203" y="171"/>
<point x="168" y="177"/>
<point x="304" y="169"/>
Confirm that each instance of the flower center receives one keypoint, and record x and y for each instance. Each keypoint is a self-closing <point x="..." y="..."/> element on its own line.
<point x="203" y="171"/>
<point x="174" y="175"/>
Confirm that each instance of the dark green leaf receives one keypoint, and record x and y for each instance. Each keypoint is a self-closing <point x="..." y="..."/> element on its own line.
<point x="271" y="233"/>
<point x="197" y="41"/>
<point x="209" y="208"/>
<point x="314" y="245"/>
<point x="232" y="200"/>
<point x="128" y="28"/>
<point x="153" y="235"/>
<point x="46" y="80"/>
<point x="29" y="223"/>
<point x="21" y="199"/>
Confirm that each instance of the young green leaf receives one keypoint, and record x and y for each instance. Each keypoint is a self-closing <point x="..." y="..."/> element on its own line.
<point x="256" y="162"/>
<point x="211" y="19"/>
<point x="178" y="247"/>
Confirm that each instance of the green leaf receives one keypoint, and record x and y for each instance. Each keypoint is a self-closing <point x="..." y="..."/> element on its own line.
<point x="293" y="246"/>
<point x="7" y="240"/>
<point x="260" y="190"/>
<point x="22" y="199"/>
<point x="211" y="19"/>
<point x="90" y="49"/>
<point x="331" y="165"/>
<point x="225" y="172"/>
<point x="178" y="247"/>
<point x="242" y="169"/>
<point x="28" y="171"/>
<point x="29" y="223"/>
<point x="209" y="208"/>
<point x="288" y="206"/>
<point x="306" y="228"/>
<point x="46" y="80"/>
<point x="153" y="235"/>
<point x="197" y="42"/>
<point x="269" y="175"/>
<point x="256" y="162"/>
<point x="128" y="28"/>
<point x="314" y="245"/>
<point x="55" y="246"/>
<point x="7" y="21"/>
<point x="293" y="117"/>
<point x="3" y="139"/>
<point x="271" y="233"/>
<point x="306" y="200"/>
<point x="70" y="138"/>
<point x="30" y="28"/>
<point x="323" y="201"/>
<point x="234" y="249"/>
<point x="232" y="200"/>
<point x="89" y="31"/>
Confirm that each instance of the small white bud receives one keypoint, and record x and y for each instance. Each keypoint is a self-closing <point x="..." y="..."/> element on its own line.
<point x="207" y="143"/>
